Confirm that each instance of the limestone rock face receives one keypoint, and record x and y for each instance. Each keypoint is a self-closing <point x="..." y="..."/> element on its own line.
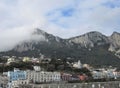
<point x="115" y="41"/>
<point x="91" y="39"/>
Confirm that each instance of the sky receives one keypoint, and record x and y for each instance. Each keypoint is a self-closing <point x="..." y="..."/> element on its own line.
<point x="63" y="18"/>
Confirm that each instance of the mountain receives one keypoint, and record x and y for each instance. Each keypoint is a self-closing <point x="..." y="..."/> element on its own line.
<point x="115" y="43"/>
<point x="90" y="39"/>
<point x="40" y="38"/>
<point x="93" y="48"/>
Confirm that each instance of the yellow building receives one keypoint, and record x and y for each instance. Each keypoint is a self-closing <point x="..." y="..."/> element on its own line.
<point x="26" y="59"/>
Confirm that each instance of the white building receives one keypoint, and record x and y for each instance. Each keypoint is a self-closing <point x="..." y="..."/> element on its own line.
<point x="102" y="73"/>
<point x="98" y="74"/>
<point x="15" y="84"/>
<point x="42" y="77"/>
<point x="37" y="68"/>
<point x="10" y="60"/>
<point x="77" y="64"/>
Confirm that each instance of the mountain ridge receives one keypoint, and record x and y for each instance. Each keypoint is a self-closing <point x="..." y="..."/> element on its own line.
<point x="92" y="47"/>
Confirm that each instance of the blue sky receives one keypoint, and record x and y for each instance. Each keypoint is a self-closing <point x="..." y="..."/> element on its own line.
<point x="64" y="18"/>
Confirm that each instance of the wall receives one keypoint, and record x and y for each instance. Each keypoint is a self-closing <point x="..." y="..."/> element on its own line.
<point x="115" y="84"/>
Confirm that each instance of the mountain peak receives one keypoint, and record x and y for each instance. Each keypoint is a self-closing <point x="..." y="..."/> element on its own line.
<point x="115" y="36"/>
<point x="115" y="41"/>
<point x="91" y="39"/>
<point x="38" y="31"/>
<point x="115" y="33"/>
<point x="94" y="35"/>
<point x="94" y="32"/>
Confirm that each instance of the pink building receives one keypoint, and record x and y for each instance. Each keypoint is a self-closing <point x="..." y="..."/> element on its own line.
<point x="66" y="77"/>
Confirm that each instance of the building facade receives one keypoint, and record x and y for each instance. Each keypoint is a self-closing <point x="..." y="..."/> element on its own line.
<point x="66" y="77"/>
<point x="16" y="75"/>
<point x="43" y="77"/>
<point x="16" y="83"/>
<point x="102" y="73"/>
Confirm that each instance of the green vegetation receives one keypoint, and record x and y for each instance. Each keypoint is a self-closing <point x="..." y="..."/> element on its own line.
<point x="98" y="56"/>
<point x="20" y="65"/>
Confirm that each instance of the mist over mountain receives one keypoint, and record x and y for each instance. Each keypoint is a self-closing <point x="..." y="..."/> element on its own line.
<point x="92" y="48"/>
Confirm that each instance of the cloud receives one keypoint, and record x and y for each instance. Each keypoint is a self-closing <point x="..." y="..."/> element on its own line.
<point x="96" y="15"/>
<point x="64" y="18"/>
<point x="10" y="38"/>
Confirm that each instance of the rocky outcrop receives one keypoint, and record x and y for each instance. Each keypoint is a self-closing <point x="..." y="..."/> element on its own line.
<point x="90" y="39"/>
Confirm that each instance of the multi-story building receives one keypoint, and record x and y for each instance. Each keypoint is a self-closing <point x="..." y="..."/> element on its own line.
<point x="43" y="77"/>
<point x="66" y="77"/>
<point x="16" y="75"/>
<point x="98" y="75"/>
<point x="38" y="76"/>
<point x="102" y="73"/>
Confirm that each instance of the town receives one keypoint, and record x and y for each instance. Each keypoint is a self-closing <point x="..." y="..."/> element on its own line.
<point x="26" y="72"/>
<point x="59" y="43"/>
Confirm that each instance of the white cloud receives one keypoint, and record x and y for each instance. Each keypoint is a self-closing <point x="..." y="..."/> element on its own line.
<point x="10" y="38"/>
<point x="91" y="15"/>
<point x="18" y="16"/>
